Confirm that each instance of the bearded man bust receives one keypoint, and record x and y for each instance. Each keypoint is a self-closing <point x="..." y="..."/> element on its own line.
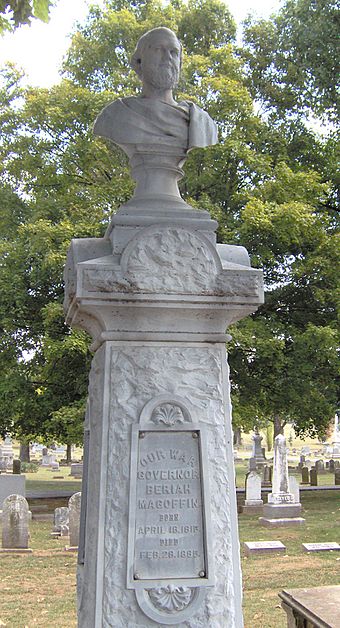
<point x="155" y="119"/>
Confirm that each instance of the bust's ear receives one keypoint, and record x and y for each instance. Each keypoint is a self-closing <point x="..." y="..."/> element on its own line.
<point x="136" y="64"/>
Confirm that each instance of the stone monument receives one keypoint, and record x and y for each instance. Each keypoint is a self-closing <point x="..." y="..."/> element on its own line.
<point x="257" y="452"/>
<point x="253" y="502"/>
<point x="61" y="522"/>
<point x="15" y="517"/>
<point x="281" y="509"/>
<point x="74" y="504"/>
<point x="159" y="513"/>
<point x="6" y="454"/>
<point x="336" y="437"/>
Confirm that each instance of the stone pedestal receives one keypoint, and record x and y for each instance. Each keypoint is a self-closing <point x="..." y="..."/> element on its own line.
<point x="157" y="294"/>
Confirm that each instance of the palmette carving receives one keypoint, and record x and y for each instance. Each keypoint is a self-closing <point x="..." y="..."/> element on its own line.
<point x="171" y="599"/>
<point x="167" y="414"/>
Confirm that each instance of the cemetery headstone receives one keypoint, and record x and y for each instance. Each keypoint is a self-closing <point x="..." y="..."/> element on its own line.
<point x="252" y="464"/>
<point x="61" y="521"/>
<point x="331" y="465"/>
<point x="16" y="467"/>
<point x="253" y="502"/>
<point x="336" y="437"/>
<point x="267" y="476"/>
<point x="74" y="518"/>
<point x="321" y="547"/>
<point x="294" y="488"/>
<point x="305" y="475"/>
<point x="257" y="452"/>
<point x="10" y="485"/>
<point x="161" y="253"/>
<point x="15" y="517"/>
<point x="6" y="454"/>
<point x="281" y="509"/>
<point x="263" y="547"/>
<point x="77" y="469"/>
<point x="337" y="477"/>
<point x="313" y="474"/>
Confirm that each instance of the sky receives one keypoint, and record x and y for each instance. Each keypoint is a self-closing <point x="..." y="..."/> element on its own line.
<point x="39" y="48"/>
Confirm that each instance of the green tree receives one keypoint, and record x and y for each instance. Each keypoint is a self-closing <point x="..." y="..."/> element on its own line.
<point x="269" y="184"/>
<point x="15" y="13"/>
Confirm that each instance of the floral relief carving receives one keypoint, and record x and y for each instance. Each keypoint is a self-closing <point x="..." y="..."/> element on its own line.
<point x="168" y="414"/>
<point x="171" y="599"/>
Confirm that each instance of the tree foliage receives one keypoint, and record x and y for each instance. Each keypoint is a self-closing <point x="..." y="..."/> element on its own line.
<point x="270" y="183"/>
<point x="15" y="13"/>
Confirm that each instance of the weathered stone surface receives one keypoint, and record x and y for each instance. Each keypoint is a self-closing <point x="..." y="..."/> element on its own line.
<point x="289" y="522"/>
<point x="253" y="493"/>
<point x="294" y="488"/>
<point x="61" y="521"/>
<point x="321" y="547"/>
<point x="74" y="518"/>
<point x="15" y="518"/>
<point x="11" y="485"/>
<point x="263" y="547"/>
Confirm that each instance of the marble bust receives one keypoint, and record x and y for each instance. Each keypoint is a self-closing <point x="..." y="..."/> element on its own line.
<point x="154" y="130"/>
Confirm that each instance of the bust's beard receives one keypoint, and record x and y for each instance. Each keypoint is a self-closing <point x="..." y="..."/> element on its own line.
<point x="161" y="76"/>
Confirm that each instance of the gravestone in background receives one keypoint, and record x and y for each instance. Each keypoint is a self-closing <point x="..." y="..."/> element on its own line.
<point x="281" y="509"/>
<point x="157" y="294"/>
<point x="253" y="502"/>
<point x="15" y="517"/>
<point x="267" y="476"/>
<point x="61" y="521"/>
<point x="294" y="488"/>
<point x="74" y="504"/>
<point x="304" y="475"/>
<point x="337" y="477"/>
<point x="313" y="476"/>
<point x="11" y="485"/>
<point x="257" y="452"/>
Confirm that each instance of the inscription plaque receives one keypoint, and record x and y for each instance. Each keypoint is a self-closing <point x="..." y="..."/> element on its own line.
<point x="169" y="562"/>
<point x="169" y="534"/>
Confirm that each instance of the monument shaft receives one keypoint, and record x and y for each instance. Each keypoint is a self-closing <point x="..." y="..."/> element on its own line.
<point x="158" y="541"/>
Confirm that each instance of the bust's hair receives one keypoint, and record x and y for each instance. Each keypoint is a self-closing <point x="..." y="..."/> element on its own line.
<point x="142" y="43"/>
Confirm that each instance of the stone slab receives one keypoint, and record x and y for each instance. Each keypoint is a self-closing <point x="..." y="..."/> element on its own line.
<point x="279" y="511"/>
<point x="321" y="547"/>
<point x="252" y="510"/>
<point x="318" y="606"/>
<point x="282" y="523"/>
<point x="11" y="485"/>
<point x="263" y="547"/>
<point x="16" y="551"/>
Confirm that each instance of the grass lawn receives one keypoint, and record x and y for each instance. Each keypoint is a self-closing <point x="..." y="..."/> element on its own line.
<point x="47" y="480"/>
<point x="40" y="589"/>
<point x="264" y="576"/>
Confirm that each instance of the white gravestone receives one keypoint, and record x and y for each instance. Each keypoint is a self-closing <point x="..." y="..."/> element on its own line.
<point x="253" y="502"/>
<point x="281" y="509"/>
<point x="15" y="517"/>
<point x="157" y="294"/>
<point x="74" y="518"/>
<point x="61" y="521"/>
<point x="263" y="547"/>
<point x="294" y="488"/>
<point x="257" y="452"/>
<point x="6" y="454"/>
<point x="335" y="452"/>
<point x="321" y="547"/>
<point x="10" y="485"/>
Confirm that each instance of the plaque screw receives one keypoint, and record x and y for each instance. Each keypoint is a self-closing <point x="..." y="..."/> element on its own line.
<point x="195" y="434"/>
<point x="141" y="434"/>
<point x="201" y="574"/>
<point x="136" y="576"/>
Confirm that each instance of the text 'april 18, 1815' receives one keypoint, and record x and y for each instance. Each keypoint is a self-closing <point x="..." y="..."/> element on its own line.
<point x="169" y="534"/>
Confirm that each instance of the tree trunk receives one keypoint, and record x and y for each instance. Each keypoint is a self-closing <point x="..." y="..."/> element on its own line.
<point x="24" y="452"/>
<point x="237" y="437"/>
<point x="278" y="425"/>
<point x="68" y="453"/>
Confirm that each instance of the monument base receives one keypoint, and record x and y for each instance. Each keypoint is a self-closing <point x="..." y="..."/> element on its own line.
<point x="8" y="550"/>
<point x="252" y="510"/>
<point x="282" y="523"/>
<point x="278" y="511"/>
